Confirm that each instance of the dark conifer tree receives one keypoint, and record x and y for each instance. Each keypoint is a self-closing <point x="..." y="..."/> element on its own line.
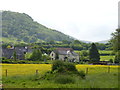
<point x="94" y="55"/>
<point x="14" y="55"/>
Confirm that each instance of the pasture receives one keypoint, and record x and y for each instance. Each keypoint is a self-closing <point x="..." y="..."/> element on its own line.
<point x="24" y="76"/>
<point x="105" y="55"/>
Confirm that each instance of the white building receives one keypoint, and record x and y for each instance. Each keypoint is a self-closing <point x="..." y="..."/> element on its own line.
<point x="65" y="54"/>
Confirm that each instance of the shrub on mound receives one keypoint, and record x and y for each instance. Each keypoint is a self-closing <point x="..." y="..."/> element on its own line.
<point x="64" y="79"/>
<point x="63" y="73"/>
<point x="57" y="64"/>
<point x="63" y="67"/>
<point x="66" y="68"/>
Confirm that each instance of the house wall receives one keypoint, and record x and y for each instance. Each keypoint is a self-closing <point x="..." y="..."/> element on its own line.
<point x="52" y="55"/>
<point x="62" y="57"/>
<point x="77" y="58"/>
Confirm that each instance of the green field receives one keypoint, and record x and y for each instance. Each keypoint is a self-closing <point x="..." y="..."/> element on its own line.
<point x="104" y="57"/>
<point x="23" y="76"/>
<point x="100" y="51"/>
<point x="105" y="51"/>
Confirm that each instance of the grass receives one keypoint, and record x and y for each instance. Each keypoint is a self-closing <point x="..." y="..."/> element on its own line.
<point x="106" y="52"/>
<point x="12" y="39"/>
<point x="100" y="51"/>
<point x="103" y="80"/>
<point x="23" y="76"/>
<point x="27" y="55"/>
<point x="106" y="58"/>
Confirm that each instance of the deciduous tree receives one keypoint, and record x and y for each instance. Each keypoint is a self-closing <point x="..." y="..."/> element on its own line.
<point x="116" y="44"/>
<point x="36" y="55"/>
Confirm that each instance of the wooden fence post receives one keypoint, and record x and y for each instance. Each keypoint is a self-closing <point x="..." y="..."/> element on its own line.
<point x="109" y="69"/>
<point x="36" y="72"/>
<point x="6" y="73"/>
<point x="86" y="70"/>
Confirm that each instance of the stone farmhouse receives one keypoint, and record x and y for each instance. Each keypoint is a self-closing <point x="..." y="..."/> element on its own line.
<point x="65" y="54"/>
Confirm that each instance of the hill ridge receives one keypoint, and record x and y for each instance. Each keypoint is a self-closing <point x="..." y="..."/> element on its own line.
<point x="20" y="27"/>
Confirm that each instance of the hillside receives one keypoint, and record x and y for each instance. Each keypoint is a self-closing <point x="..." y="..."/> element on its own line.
<point x="104" y="41"/>
<point x="20" y="27"/>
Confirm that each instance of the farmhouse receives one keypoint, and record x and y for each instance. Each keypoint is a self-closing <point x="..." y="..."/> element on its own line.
<point x="65" y="54"/>
<point x="20" y="51"/>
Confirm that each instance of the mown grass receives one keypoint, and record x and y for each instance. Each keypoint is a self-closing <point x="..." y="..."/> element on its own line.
<point x="23" y="76"/>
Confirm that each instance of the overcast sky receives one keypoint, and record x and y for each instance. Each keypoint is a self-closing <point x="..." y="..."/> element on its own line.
<point x="91" y="20"/>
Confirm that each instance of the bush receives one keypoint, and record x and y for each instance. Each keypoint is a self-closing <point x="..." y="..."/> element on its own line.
<point x="70" y="67"/>
<point x="6" y="61"/>
<point x="82" y="74"/>
<point x="21" y="62"/>
<point x="111" y="60"/>
<point x="36" y="55"/>
<point x="3" y="58"/>
<point x="64" y="68"/>
<point x="57" y="64"/>
<point x="60" y="66"/>
<point x="64" y="79"/>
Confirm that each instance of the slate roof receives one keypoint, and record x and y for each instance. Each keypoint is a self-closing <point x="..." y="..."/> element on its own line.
<point x="64" y="51"/>
<point x="8" y="53"/>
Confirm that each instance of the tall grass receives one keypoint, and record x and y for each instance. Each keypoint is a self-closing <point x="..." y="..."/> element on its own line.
<point x="103" y="80"/>
<point x="23" y="76"/>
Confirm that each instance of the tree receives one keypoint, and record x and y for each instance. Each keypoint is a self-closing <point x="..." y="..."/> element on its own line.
<point x="84" y="55"/>
<point x="36" y="55"/>
<point x="116" y="45"/>
<point x="94" y="55"/>
<point x="116" y="40"/>
<point x="26" y="39"/>
<point x="14" y="55"/>
<point x="66" y="42"/>
<point x="52" y="42"/>
<point x="77" y="42"/>
<point x="57" y="56"/>
<point x="117" y="57"/>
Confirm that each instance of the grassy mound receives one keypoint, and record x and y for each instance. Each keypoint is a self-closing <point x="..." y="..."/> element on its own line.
<point x="63" y="73"/>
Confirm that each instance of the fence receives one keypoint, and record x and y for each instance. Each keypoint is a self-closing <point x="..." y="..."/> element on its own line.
<point x="87" y="70"/>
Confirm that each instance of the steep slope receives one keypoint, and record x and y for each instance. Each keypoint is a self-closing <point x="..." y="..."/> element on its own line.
<point x="21" y="27"/>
